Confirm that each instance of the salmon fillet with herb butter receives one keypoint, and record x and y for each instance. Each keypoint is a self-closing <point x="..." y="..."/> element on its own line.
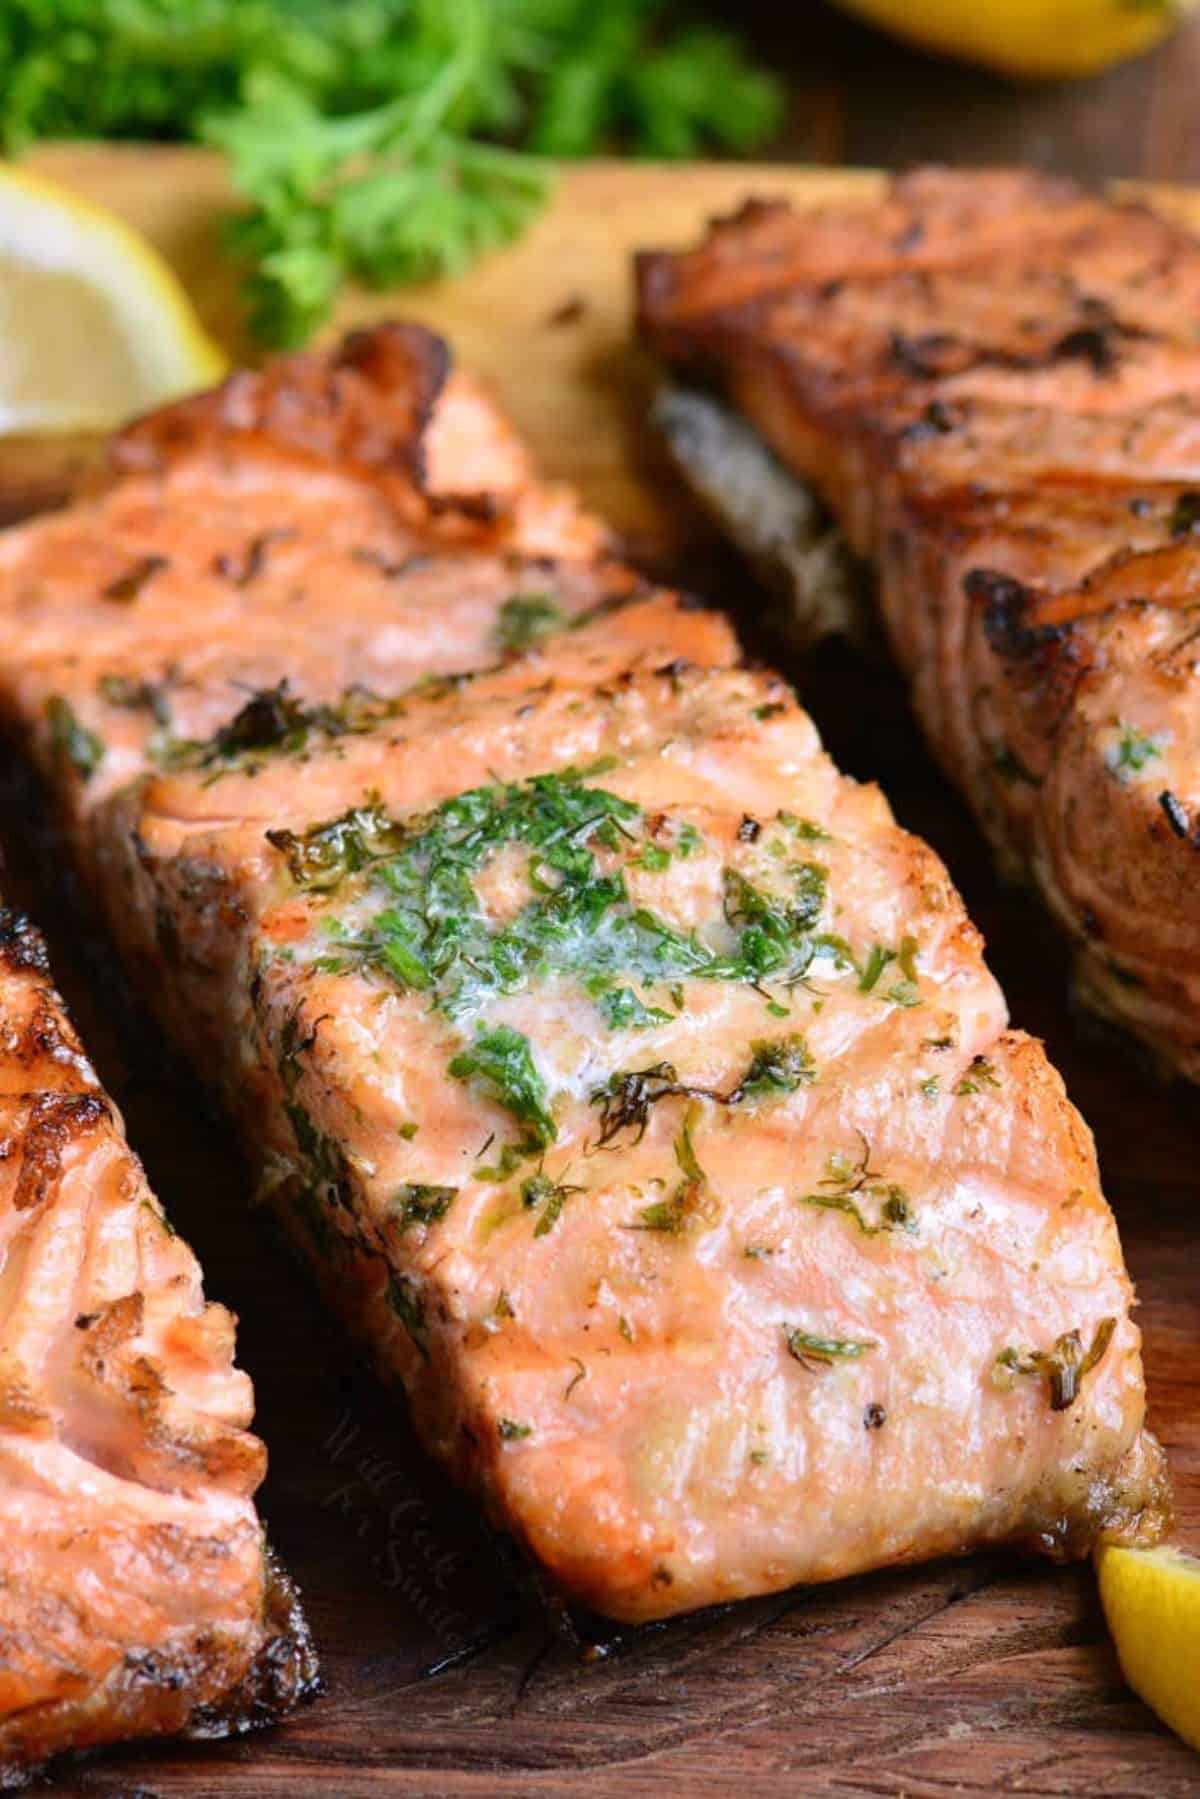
<point x="635" y="1087"/>
<point x="991" y="378"/>
<point x="137" y="1596"/>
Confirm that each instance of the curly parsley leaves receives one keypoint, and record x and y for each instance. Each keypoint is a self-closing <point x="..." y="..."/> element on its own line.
<point x="388" y="140"/>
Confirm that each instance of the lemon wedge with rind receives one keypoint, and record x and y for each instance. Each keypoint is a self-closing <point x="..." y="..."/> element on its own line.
<point x="94" y="326"/>
<point x="1151" y="1599"/>
<point x="1033" y="39"/>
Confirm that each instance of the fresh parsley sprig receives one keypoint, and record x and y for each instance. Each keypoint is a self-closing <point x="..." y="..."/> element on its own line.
<point x="387" y="140"/>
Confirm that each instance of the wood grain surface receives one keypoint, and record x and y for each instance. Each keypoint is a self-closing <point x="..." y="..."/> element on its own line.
<point x="445" y="1677"/>
<point x="856" y="96"/>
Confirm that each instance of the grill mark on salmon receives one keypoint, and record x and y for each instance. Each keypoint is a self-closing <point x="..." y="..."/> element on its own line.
<point x="137" y="1597"/>
<point x="1000" y="402"/>
<point x="635" y="1086"/>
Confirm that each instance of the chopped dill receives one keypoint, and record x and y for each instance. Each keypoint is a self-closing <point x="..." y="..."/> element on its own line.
<point x="1064" y="1366"/>
<point x="810" y="1349"/>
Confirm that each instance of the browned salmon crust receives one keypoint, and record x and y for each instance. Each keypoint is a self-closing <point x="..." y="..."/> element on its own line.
<point x="635" y="1086"/>
<point x="137" y="1597"/>
<point x="993" y="380"/>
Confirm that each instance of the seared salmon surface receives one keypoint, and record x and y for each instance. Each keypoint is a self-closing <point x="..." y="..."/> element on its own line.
<point x="137" y="1597"/>
<point x="634" y="1085"/>
<point x="992" y="379"/>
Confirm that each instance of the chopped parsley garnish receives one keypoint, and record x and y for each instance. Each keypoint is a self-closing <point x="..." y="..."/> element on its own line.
<point x="416" y="1204"/>
<point x="979" y="1076"/>
<point x="502" y="1060"/>
<point x="432" y="932"/>
<point x="652" y="857"/>
<point x="512" y="1432"/>
<point x="321" y="857"/>
<point x="622" y="1009"/>
<point x="904" y="992"/>
<point x="70" y="740"/>
<point x="526" y="619"/>
<point x="806" y="828"/>
<point x="1132" y="752"/>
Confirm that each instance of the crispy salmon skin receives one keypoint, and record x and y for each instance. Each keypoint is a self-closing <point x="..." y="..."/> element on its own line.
<point x="992" y="380"/>
<point x="136" y="1595"/>
<point x="635" y="1087"/>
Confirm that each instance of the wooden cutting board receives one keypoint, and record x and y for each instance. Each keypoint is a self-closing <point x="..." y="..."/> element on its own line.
<point x="986" y="1676"/>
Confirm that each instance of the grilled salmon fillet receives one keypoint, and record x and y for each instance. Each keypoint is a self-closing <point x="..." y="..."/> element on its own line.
<point x="635" y="1087"/>
<point x="992" y="380"/>
<point x="137" y="1596"/>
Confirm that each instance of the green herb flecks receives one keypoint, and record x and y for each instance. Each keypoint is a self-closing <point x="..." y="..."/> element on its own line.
<point x="320" y="858"/>
<point x="777" y="1067"/>
<point x="71" y="741"/>
<point x="652" y="857"/>
<point x="273" y="722"/>
<point x="626" y="1097"/>
<point x="846" y="1185"/>
<point x="814" y="1351"/>
<point x="510" y="1431"/>
<point x="405" y="1300"/>
<point x="904" y="992"/>
<point x="1063" y="1367"/>
<point x="546" y="1197"/>
<point x="1133" y="751"/>
<point x="131" y="695"/>
<point x="433" y="934"/>
<point x="689" y="1205"/>
<point x="417" y="1204"/>
<point x="502" y="1060"/>
<point x="979" y="1078"/>
<point x="526" y="620"/>
<point x="622" y="1009"/>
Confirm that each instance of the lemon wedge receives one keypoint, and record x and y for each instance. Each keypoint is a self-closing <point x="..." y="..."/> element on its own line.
<point x="1151" y="1599"/>
<point x="94" y="326"/>
<point x="1036" y="39"/>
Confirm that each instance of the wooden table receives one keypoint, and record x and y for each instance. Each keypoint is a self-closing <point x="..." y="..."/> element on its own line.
<point x="983" y="1677"/>
<point x="860" y="98"/>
